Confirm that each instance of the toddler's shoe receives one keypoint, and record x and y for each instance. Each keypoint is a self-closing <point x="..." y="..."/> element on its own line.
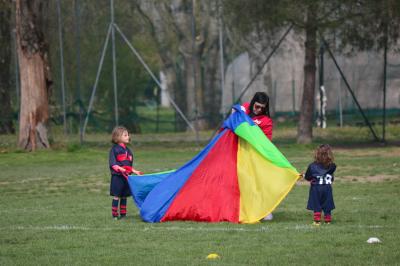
<point x="269" y="217"/>
<point x="316" y="223"/>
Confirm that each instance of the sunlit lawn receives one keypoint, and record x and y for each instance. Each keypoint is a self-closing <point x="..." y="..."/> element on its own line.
<point x="55" y="208"/>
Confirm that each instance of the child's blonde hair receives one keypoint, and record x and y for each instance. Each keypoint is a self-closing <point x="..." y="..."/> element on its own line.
<point x="117" y="133"/>
<point x="323" y="155"/>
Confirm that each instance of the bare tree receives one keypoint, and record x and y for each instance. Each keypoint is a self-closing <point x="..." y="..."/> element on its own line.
<point x="187" y="30"/>
<point x="34" y="74"/>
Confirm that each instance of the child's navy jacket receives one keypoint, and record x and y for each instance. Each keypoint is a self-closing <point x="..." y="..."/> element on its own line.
<point x="121" y="156"/>
<point x="320" y="196"/>
<point x="317" y="174"/>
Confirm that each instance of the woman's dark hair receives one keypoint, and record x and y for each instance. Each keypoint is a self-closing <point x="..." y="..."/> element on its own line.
<point x="260" y="97"/>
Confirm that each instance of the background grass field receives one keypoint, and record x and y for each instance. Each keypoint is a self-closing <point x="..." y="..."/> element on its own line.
<point x="56" y="209"/>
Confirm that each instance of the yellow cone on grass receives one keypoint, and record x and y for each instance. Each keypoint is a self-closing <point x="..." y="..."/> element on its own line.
<point x="213" y="256"/>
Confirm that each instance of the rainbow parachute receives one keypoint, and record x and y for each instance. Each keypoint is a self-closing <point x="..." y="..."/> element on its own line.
<point x="239" y="177"/>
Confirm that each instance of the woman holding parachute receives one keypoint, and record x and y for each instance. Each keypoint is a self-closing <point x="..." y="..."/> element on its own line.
<point x="239" y="177"/>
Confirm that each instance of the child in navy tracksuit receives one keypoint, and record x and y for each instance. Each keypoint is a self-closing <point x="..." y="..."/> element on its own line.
<point x="120" y="159"/>
<point x="320" y="175"/>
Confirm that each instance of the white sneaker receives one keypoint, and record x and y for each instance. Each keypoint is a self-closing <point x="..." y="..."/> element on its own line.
<point x="269" y="217"/>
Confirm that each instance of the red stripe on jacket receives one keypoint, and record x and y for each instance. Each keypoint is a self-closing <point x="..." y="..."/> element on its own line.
<point x="124" y="157"/>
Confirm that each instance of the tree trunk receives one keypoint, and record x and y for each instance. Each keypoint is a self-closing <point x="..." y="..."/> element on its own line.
<point x="212" y="85"/>
<point x="191" y="46"/>
<point x="6" y="122"/>
<point x="172" y="24"/>
<point x="34" y="74"/>
<point x="194" y="90"/>
<point x="270" y="89"/>
<point x="304" y="129"/>
<point x="170" y="77"/>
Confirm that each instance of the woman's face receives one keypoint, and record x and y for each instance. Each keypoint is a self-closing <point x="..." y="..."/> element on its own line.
<point x="258" y="108"/>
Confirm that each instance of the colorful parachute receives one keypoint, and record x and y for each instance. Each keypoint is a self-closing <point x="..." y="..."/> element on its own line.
<point x="239" y="177"/>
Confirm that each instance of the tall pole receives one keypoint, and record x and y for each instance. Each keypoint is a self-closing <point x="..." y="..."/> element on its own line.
<point x="78" y="67"/>
<point x="16" y="69"/>
<point x="97" y="79"/>
<point x="221" y="48"/>
<point x="321" y="85"/>
<point x="16" y="65"/>
<point x="60" y="39"/>
<point x="384" y="85"/>
<point x="194" y="54"/>
<point x="293" y="92"/>
<point x="340" y="101"/>
<point x="114" y="63"/>
<point x="233" y="86"/>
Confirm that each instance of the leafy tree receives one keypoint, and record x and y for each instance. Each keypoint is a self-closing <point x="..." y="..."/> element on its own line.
<point x="376" y="25"/>
<point x="307" y="16"/>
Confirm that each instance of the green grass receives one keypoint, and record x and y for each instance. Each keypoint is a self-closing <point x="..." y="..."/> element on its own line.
<point x="56" y="210"/>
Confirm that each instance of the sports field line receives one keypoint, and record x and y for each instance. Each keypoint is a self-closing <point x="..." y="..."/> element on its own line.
<point x="178" y="228"/>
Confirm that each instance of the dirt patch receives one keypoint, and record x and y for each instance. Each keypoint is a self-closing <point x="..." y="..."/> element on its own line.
<point x="375" y="178"/>
<point x="367" y="145"/>
<point x="389" y="152"/>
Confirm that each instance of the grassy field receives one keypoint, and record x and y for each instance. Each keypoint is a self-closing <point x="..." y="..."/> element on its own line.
<point x="56" y="210"/>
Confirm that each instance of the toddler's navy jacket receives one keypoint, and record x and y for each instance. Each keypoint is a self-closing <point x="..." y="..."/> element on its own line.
<point x="317" y="174"/>
<point x="320" y="195"/>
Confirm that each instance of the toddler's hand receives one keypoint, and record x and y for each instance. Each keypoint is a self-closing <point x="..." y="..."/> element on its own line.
<point x="138" y="172"/>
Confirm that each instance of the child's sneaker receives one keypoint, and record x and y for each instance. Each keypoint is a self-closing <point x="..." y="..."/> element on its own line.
<point x="316" y="223"/>
<point x="269" y="217"/>
<point x="328" y="219"/>
<point x="115" y="218"/>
